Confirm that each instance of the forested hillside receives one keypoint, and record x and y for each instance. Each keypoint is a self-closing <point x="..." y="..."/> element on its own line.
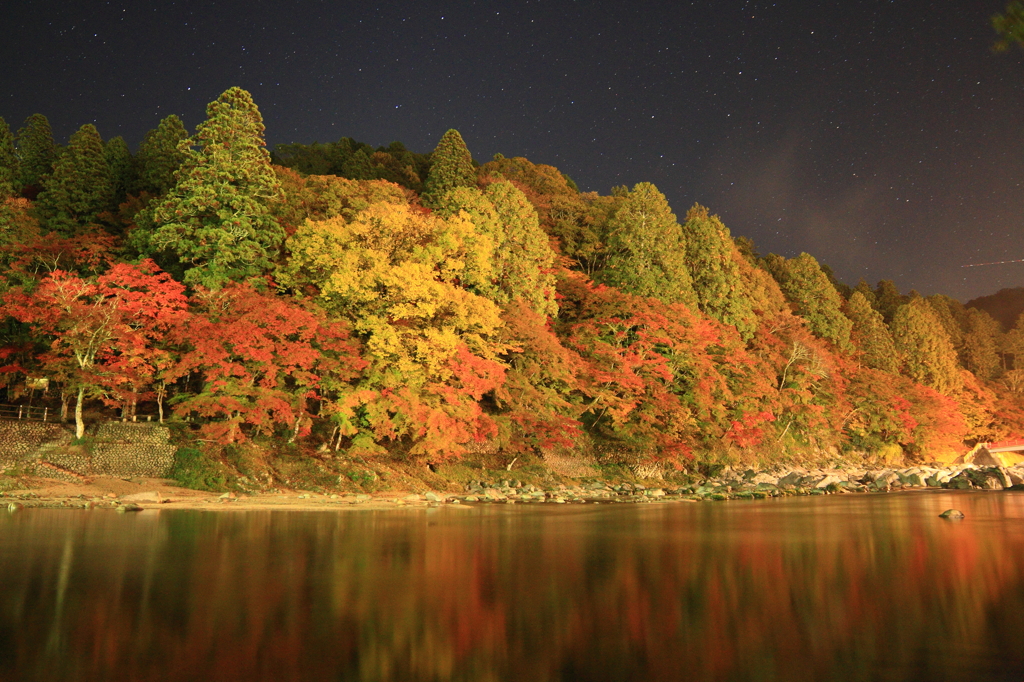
<point x="380" y="300"/>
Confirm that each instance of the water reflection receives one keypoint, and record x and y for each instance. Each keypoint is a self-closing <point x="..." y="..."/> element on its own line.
<point x="839" y="588"/>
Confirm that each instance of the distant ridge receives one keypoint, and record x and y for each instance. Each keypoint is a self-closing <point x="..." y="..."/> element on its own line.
<point x="1005" y="305"/>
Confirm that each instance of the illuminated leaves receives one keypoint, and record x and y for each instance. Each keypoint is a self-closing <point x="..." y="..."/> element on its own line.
<point x="403" y="280"/>
<point x="261" y="358"/>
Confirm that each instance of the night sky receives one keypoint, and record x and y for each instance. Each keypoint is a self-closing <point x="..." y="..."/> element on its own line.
<point x="884" y="138"/>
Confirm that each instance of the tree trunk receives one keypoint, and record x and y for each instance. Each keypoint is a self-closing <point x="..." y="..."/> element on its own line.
<point x="79" y="422"/>
<point x="160" y="391"/>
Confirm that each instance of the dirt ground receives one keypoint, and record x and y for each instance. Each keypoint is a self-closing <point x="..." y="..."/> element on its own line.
<point x="103" y="491"/>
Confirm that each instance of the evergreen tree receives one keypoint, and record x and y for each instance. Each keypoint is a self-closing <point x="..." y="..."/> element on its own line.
<point x="523" y="259"/>
<point x="870" y="335"/>
<point x="122" y="169"/>
<point x="522" y="263"/>
<point x="1013" y="343"/>
<point x="775" y="265"/>
<point x="36" y="149"/>
<point x="888" y="299"/>
<point x="816" y="300"/>
<point x="646" y="249"/>
<point x="358" y="166"/>
<point x="160" y="156"/>
<point x="926" y="353"/>
<point x="716" y="276"/>
<point x="9" y="184"/>
<point x="79" y="186"/>
<point x="216" y="220"/>
<point x="953" y="316"/>
<point x="981" y="343"/>
<point x="866" y="291"/>
<point x="451" y="166"/>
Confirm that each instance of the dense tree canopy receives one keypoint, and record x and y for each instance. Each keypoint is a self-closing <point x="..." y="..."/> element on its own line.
<point x="646" y="249"/>
<point x="160" y="156"/>
<point x="375" y="299"/>
<point x="716" y="275"/>
<point x="36" y="149"/>
<point x="451" y="166"/>
<point x="80" y="186"/>
<point x="9" y="165"/>
<point x="216" y="220"/>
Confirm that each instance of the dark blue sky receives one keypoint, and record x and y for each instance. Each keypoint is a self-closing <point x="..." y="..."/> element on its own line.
<point x="882" y="137"/>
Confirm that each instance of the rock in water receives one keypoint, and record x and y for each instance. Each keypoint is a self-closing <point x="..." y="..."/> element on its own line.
<point x="952" y="514"/>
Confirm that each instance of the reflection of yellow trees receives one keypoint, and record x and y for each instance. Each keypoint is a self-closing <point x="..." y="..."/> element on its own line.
<point x="841" y="588"/>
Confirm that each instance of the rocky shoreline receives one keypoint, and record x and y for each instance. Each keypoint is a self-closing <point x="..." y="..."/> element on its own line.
<point x="729" y="484"/>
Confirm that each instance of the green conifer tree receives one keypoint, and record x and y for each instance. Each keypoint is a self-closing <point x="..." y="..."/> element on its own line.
<point x="816" y="300"/>
<point x="160" y="157"/>
<point x="888" y="299"/>
<point x="926" y="353"/>
<point x="865" y="289"/>
<point x="870" y="334"/>
<point x="715" y="273"/>
<point x="358" y="166"/>
<point x="122" y="169"/>
<point x="9" y="175"/>
<point x="36" y="149"/>
<point x="523" y="259"/>
<point x="216" y="220"/>
<point x="953" y="316"/>
<point x="79" y="186"/>
<point x="982" y="339"/>
<point x="451" y="166"/>
<point x="646" y="249"/>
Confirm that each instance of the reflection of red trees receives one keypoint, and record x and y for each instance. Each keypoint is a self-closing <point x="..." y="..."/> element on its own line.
<point x="702" y="592"/>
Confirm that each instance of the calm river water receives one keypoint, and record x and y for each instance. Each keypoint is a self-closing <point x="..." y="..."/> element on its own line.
<point x="850" y="587"/>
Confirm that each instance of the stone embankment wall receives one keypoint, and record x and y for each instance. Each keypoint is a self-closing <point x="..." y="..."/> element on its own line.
<point x="122" y="449"/>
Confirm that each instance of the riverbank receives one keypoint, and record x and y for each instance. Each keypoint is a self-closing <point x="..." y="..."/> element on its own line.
<point x="730" y="484"/>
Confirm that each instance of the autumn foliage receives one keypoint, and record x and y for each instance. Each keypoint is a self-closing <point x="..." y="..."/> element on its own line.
<point x="378" y="300"/>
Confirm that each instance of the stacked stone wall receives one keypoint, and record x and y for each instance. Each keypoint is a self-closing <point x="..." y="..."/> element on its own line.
<point x="121" y="449"/>
<point x="132" y="449"/>
<point x="20" y="441"/>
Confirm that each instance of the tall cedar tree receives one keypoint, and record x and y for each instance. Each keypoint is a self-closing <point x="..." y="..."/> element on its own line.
<point x="888" y="299"/>
<point x="953" y="316"/>
<point x="9" y="184"/>
<point x="981" y="343"/>
<point x="717" y="283"/>
<point x="646" y="250"/>
<point x="160" y="157"/>
<point x="80" y="185"/>
<point x="522" y="262"/>
<point x="36" y="149"/>
<point x="122" y="169"/>
<point x="451" y="166"/>
<point x="870" y="334"/>
<point x="816" y="300"/>
<point x="523" y="259"/>
<point x="925" y="350"/>
<point x="217" y="219"/>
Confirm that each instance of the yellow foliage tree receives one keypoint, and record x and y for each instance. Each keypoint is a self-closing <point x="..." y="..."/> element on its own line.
<point x="403" y="279"/>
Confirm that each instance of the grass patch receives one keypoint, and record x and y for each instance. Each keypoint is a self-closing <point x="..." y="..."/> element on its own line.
<point x="193" y="469"/>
